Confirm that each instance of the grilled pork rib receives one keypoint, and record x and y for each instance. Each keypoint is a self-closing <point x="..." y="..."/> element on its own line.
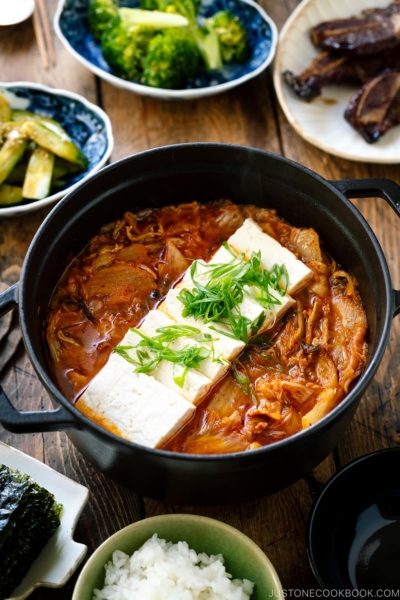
<point x="374" y="30"/>
<point x="326" y="69"/>
<point x="375" y="108"/>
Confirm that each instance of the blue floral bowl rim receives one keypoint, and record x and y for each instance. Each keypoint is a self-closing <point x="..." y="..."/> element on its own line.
<point x="38" y="204"/>
<point x="187" y="94"/>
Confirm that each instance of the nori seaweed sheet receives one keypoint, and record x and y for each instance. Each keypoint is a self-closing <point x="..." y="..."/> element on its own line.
<point x="29" y="515"/>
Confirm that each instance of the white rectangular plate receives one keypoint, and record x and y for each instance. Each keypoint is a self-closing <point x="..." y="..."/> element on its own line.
<point x="61" y="555"/>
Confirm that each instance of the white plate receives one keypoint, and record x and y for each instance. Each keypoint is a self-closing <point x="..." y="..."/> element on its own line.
<point x="61" y="555"/>
<point x="321" y="121"/>
<point x="16" y="11"/>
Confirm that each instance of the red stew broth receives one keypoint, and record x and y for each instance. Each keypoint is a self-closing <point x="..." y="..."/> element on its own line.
<point x="303" y="366"/>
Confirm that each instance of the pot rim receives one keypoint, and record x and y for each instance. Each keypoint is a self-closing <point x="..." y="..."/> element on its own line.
<point x="302" y="436"/>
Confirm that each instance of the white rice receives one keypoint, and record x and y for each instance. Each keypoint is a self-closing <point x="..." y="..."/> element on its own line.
<point x="161" y="570"/>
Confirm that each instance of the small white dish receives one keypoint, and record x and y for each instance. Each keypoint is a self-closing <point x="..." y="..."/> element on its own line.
<point x="15" y="11"/>
<point x="87" y="124"/>
<point x="321" y="121"/>
<point x="61" y="555"/>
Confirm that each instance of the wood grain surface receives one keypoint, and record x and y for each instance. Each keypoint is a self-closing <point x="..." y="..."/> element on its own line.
<point x="248" y="115"/>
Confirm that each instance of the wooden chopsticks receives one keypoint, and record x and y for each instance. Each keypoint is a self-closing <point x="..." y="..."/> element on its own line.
<point x="41" y="26"/>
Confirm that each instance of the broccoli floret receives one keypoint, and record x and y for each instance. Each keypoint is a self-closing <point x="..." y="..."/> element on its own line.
<point x="206" y="39"/>
<point x="126" y="38"/>
<point x="186" y="8"/>
<point x="172" y="59"/>
<point x="124" y="47"/>
<point x="233" y="38"/>
<point x="149" y="4"/>
<point x="100" y="13"/>
<point x="209" y="47"/>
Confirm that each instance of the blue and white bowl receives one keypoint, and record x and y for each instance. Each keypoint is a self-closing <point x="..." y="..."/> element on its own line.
<point x="86" y="124"/>
<point x="71" y="25"/>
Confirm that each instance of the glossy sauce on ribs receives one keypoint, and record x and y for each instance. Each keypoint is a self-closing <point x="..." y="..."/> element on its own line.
<point x="285" y="380"/>
<point x="375" y="108"/>
<point x="327" y="69"/>
<point x="375" y="30"/>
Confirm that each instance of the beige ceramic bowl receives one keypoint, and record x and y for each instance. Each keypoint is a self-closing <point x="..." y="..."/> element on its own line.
<point x="243" y="558"/>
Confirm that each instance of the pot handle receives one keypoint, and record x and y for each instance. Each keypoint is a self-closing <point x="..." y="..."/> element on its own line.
<point x="28" y="422"/>
<point x="371" y="188"/>
<point x="374" y="188"/>
<point x="36" y="421"/>
<point x="9" y="299"/>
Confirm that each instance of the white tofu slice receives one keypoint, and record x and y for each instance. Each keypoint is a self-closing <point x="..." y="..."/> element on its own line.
<point x="196" y="385"/>
<point x="249" y="308"/>
<point x="225" y="346"/>
<point x="154" y="320"/>
<point x="222" y="256"/>
<point x="279" y="310"/>
<point x="134" y="405"/>
<point x="250" y="237"/>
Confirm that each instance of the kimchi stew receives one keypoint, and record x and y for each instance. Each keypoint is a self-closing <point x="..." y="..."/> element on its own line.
<point x="205" y="328"/>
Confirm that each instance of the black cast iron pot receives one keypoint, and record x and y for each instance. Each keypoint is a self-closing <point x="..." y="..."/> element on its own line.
<point x="203" y="172"/>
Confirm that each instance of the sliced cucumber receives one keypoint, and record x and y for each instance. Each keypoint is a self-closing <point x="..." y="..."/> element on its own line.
<point x="53" y="142"/>
<point x="38" y="175"/>
<point x="17" y="175"/>
<point x="56" y="184"/>
<point x="65" y="166"/>
<point x="11" y="153"/>
<point x="24" y="115"/>
<point x="10" y="194"/>
<point x="5" y="109"/>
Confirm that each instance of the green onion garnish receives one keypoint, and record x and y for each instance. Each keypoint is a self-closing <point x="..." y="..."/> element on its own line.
<point x="150" y="351"/>
<point x="218" y="299"/>
<point x="241" y="375"/>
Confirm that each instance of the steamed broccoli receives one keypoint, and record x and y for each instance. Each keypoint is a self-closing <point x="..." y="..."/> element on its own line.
<point x="124" y="47"/>
<point x="172" y="58"/>
<point x="126" y="38"/>
<point x="186" y="8"/>
<point x="161" y="43"/>
<point x="100" y="13"/>
<point x="205" y="38"/>
<point x="209" y="47"/>
<point x="149" y="4"/>
<point x="153" y="19"/>
<point x="233" y="38"/>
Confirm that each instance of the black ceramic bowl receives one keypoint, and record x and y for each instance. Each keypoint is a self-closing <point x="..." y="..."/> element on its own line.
<point x="203" y="172"/>
<point x="353" y="538"/>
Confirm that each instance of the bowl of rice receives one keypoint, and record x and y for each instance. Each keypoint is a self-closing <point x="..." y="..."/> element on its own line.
<point x="178" y="557"/>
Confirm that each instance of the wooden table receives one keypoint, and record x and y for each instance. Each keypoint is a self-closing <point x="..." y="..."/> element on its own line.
<point x="248" y="115"/>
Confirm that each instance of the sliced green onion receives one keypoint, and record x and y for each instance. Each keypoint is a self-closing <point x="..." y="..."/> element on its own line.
<point x="219" y="299"/>
<point x="150" y="351"/>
